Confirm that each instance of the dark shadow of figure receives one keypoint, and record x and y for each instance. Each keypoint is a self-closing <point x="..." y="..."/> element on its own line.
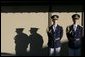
<point x="83" y="44"/>
<point x="64" y="49"/>
<point x="21" y="42"/>
<point x="36" y="43"/>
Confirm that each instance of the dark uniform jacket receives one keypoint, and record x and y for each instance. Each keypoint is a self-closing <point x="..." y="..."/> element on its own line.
<point x="73" y="35"/>
<point x="52" y="43"/>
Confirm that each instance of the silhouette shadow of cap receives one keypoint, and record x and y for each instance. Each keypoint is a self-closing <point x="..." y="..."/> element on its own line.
<point x="19" y="29"/>
<point x="33" y="29"/>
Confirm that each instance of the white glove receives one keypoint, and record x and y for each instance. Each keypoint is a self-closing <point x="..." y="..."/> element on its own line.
<point x="57" y="38"/>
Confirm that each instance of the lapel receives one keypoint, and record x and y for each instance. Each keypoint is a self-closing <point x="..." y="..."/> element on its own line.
<point x="76" y="28"/>
<point x="51" y="29"/>
<point x="55" y="29"/>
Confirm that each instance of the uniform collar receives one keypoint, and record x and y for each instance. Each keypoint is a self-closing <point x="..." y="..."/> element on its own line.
<point x="55" y="25"/>
<point x="75" y="25"/>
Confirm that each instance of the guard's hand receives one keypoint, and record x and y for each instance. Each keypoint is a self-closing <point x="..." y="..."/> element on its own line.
<point x="57" y="39"/>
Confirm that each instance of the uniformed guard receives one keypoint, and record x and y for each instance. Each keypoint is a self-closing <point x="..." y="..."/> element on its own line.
<point x="74" y="35"/>
<point x="55" y="34"/>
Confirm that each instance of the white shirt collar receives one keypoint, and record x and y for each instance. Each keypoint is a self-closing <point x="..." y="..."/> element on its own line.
<point x="55" y="25"/>
<point x="75" y="25"/>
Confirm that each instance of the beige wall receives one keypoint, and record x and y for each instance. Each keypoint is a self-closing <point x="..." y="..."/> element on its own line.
<point x="11" y="21"/>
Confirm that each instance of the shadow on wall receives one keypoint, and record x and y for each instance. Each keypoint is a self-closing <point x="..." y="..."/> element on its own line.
<point x="22" y="41"/>
<point x="36" y="42"/>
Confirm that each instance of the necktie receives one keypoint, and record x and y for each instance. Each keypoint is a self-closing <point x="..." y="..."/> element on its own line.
<point x="74" y="28"/>
<point x="54" y="27"/>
